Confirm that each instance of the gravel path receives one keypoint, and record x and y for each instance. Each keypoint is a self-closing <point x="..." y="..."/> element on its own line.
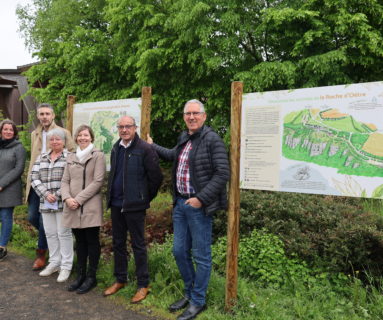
<point x="26" y="295"/>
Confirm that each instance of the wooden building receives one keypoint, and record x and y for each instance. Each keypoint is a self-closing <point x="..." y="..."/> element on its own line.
<point x="13" y="85"/>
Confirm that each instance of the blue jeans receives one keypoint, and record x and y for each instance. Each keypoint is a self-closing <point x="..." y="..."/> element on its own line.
<point x="6" y="217"/>
<point x="192" y="243"/>
<point x="36" y="219"/>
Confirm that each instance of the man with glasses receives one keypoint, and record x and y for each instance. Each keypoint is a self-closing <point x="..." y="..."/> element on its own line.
<point x="200" y="173"/>
<point x="134" y="179"/>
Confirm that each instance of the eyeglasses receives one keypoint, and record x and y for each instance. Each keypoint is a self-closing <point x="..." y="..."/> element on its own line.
<point x="188" y="114"/>
<point x="128" y="126"/>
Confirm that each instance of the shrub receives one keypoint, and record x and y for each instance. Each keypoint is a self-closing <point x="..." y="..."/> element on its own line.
<point x="334" y="233"/>
<point x="262" y="258"/>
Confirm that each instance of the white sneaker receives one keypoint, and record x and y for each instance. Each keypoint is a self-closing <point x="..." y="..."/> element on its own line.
<point x="63" y="276"/>
<point x="49" y="270"/>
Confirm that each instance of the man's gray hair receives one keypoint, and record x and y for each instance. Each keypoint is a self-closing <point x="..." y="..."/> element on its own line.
<point x="201" y="106"/>
<point x="56" y="132"/>
<point x="45" y="105"/>
<point x="134" y="120"/>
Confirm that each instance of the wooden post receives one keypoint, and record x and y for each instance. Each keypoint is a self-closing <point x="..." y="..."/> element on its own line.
<point x="70" y="101"/>
<point x="234" y="197"/>
<point x="146" y="108"/>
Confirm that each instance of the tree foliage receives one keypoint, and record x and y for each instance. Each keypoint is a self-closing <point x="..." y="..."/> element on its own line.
<point x="184" y="49"/>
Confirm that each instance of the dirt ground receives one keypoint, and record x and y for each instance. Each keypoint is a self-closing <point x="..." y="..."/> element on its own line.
<point x="26" y="295"/>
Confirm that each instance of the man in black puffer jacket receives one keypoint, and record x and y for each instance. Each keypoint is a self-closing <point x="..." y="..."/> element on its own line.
<point x="200" y="173"/>
<point x="134" y="179"/>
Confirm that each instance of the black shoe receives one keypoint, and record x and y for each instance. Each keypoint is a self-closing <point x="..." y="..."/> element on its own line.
<point x="88" y="284"/>
<point x="179" y="304"/>
<point x="191" y="312"/>
<point x="77" y="283"/>
<point x="3" y="253"/>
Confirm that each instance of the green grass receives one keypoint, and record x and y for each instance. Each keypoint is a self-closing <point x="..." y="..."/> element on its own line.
<point x="373" y="205"/>
<point x="318" y="299"/>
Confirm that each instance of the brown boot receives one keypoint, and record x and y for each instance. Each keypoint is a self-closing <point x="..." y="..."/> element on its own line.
<point x="40" y="261"/>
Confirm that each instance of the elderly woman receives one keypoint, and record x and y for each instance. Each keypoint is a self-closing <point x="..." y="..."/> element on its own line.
<point x="81" y="193"/>
<point x="12" y="160"/>
<point x="46" y="177"/>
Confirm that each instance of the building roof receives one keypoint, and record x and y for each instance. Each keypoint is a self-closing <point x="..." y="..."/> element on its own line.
<point x="14" y="78"/>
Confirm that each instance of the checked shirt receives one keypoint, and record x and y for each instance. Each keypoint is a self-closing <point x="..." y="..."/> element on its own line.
<point x="183" y="172"/>
<point x="46" y="178"/>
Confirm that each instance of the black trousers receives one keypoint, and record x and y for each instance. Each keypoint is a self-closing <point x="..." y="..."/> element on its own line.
<point x="134" y="222"/>
<point x="87" y="247"/>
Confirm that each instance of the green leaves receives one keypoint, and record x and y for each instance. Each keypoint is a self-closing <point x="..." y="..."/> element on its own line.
<point x="262" y="258"/>
<point x="329" y="233"/>
<point x="183" y="49"/>
<point x="378" y="192"/>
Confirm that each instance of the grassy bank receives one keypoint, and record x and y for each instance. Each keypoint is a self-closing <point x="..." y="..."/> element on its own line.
<point x="317" y="295"/>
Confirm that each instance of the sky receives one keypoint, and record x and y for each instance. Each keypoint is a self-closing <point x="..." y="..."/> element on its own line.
<point x="13" y="52"/>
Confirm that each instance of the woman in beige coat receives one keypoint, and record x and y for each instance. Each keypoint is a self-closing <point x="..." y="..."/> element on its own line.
<point x="81" y="194"/>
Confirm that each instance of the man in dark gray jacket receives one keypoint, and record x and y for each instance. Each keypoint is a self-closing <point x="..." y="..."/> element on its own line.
<point x="200" y="173"/>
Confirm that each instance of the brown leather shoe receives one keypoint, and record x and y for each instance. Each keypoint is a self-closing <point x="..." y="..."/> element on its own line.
<point x="113" y="288"/>
<point x="140" y="295"/>
<point x="40" y="260"/>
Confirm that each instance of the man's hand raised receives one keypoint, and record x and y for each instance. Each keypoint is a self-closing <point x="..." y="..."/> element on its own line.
<point x="149" y="139"/>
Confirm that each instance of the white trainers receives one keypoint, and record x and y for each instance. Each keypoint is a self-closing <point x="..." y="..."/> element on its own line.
<point x="49" y="270"/>
<point x="63" y="276"/>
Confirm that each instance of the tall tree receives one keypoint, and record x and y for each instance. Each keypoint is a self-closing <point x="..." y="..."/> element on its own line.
<point x="184" y="49"/>
<point x="319" y="42"/>
<point x="71" y="40"/>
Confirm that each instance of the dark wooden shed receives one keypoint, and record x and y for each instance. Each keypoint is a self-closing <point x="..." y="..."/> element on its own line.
<point x="13" y="85"/>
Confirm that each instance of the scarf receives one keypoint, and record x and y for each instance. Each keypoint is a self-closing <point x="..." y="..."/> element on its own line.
<point x="82" y="154"/>
<point x="5" y="142"/>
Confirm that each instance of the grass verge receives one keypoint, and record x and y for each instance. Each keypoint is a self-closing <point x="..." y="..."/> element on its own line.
<point x="320" y="298"/>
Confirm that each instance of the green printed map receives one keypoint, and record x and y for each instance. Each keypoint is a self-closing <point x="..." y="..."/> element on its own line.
<point x="333" y="139"/>
<point x="102" y="123"/>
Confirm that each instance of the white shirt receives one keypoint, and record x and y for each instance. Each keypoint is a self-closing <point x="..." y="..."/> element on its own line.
<point x="125" y="146"/>
<point x="44" y="146"/>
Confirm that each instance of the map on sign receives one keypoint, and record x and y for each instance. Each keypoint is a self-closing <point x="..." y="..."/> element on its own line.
<point x="326" y="140"/>
<point x="102" y="117"/>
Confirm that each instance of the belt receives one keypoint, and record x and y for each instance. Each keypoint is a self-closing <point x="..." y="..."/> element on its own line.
<point x="186" y="196"/>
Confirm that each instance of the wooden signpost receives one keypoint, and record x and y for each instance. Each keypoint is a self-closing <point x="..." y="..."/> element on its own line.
<point x="234" y="197"/>
<point x="146" y="108"/>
